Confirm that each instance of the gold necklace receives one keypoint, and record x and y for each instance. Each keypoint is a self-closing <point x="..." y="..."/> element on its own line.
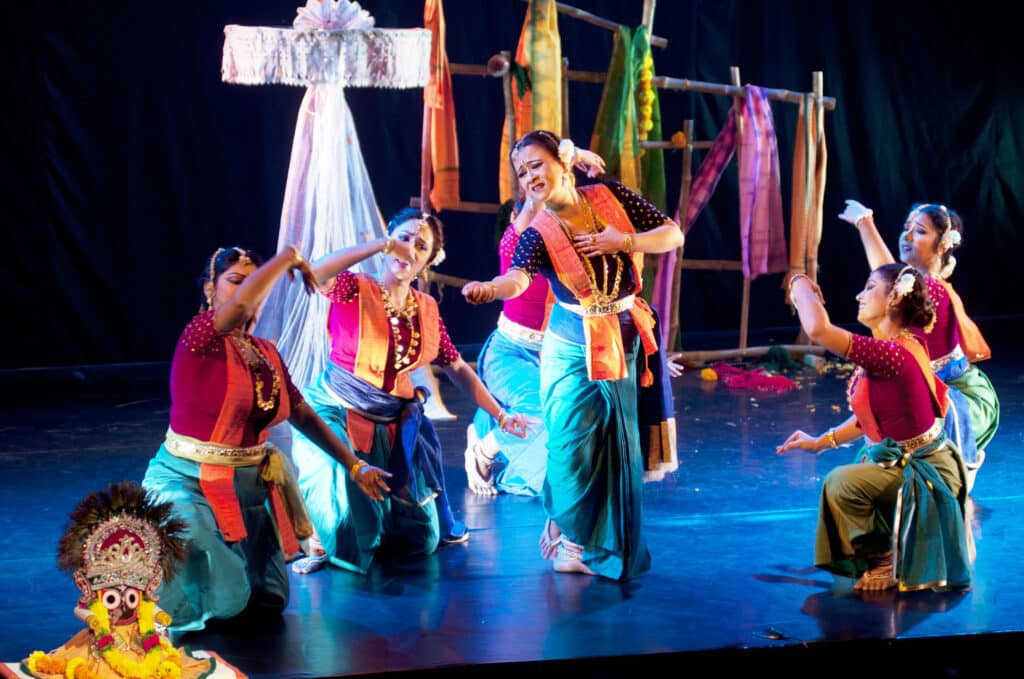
<point x="407" y="313"/>
<point x="254" y="358"/>
<point x="602" y="295"/>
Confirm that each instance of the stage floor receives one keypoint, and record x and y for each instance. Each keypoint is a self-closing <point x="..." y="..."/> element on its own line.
<point x="731" y="535"/>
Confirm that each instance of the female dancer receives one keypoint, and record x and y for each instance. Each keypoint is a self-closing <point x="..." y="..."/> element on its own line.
<point x="216" y="465"/>
<point x="930" y="234"/>
<point x="380" y="331"/>
<point x="509" y="364"/>
<point x="588" y="242"/>
<point x="896" y="516"/>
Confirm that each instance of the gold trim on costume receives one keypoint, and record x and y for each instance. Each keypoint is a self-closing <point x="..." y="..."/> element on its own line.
<point x="618" y="306"/>
<point x="205" y="452"/>
<point x="910" y="445"/>
<point x="941" y="362"/>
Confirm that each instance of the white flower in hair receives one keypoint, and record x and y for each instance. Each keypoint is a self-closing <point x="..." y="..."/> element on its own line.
<point x="947" y="270"/>
<point x="903" y="286"/>
<point x="950" y="239"/>
<point x="566" y="152"/>
<point x="438" y="258"/>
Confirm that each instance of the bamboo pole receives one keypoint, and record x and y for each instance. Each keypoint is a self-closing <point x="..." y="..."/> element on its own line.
<point x="589" y="18"/>
<point x="463" y="206"/>
<point x="510" y="116"/>
<point x="695" y="357"/>
<point x="684" y="200"/>
<point x="734" y="76"/>
<point x="565" y="98"/>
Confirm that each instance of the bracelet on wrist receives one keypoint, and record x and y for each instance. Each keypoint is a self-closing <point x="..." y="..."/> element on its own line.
<point x="494" y="290"/>
<point x="627" y="244"/>
<point x="356" y="469"/>
<point x="832" y="438"/>
<point x="297" y="258"/>
<point x="388" y="246"/>
<point x="502" y="419"/>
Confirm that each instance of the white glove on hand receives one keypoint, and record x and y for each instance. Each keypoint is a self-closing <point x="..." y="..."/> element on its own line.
<point x="855" y="212"/>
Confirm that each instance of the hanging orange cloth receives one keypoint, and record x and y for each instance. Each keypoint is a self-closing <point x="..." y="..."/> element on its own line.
<point x="808" y="196"/>
<point x="971" y="340"/>
<point x="540" y="106"/>
<point x="439" y="176"/>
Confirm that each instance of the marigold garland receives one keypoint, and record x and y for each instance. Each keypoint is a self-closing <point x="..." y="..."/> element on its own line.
<point x="645" y="97"/>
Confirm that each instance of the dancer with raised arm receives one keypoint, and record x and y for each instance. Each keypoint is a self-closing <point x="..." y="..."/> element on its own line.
<point x="895" y="517"/>
<point x="381" y="329"/>
<point x="930" y="234"/>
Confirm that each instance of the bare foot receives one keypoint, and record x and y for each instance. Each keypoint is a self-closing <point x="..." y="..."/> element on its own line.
<point x="550" y="538"/>
<point x="876" y="579"/>
<point x="310" y="564"/>
<point x="570" y="559"/>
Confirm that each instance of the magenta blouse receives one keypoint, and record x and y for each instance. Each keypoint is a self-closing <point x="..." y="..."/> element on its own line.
<point x="528" y="309"/>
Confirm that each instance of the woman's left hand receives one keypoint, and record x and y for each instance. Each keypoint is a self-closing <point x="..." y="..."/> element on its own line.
<point x="519" y="425"/>
<point x="306" y="273"/>
<point x="800" y="440"/>
<point x="588" y="162"/>
<point x="606" y="242"/>
<point x="372" y="481"/>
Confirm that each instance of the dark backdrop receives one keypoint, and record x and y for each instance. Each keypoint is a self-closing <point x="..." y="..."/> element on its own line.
<point x="127" y="159"/>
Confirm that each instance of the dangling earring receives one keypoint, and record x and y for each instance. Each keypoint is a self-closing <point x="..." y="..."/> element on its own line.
<point x="209" y="302"/>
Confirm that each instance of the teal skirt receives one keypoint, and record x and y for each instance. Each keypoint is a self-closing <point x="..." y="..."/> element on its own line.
<point x="351" y="526"/>
<point x="593" y="490"/>
<point x="219" y="579"/>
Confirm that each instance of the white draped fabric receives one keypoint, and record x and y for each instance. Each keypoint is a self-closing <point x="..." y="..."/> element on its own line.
<point x="328" y="201"/>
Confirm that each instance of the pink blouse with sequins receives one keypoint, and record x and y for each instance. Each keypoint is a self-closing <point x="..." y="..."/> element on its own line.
<point x="199" y="385"/>
<point x="343" y="326"/>
<point x="527" y="309"/>
<point x="898" y="392"/>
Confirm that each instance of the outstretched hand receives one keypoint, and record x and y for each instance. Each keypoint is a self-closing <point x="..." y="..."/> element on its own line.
<point x="854" y="212"/>
<point x="371" y="480"/>
<point x="520" y="425"/>
<point x="477" y="292"/>
<point x="799" y="440"/>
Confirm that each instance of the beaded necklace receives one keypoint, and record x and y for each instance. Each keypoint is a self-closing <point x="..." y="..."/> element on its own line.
<point x="255" y="358"/>
<point x="602" y="294"/>
<point x="407" y="313"/>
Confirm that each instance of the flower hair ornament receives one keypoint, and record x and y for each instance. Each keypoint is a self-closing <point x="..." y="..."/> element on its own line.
<point x="566" y="152"/>
<point x="440" y="255"/>
<point x="903" y="285"/>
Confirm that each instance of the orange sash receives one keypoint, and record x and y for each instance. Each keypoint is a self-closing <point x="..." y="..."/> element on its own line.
<point x="606" y="356"/>
<point x="217" y="481"/>
<point x="861" y="404"/>
<point x="372" y="354"/>
<point x="974" y="345"/>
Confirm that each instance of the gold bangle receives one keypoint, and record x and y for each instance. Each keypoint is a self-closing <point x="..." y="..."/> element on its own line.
<point x="832" y="438"/>
<point x="353" y="472"/>
<point x="297" y="257"/>
<point x="388" y="246"/>
<point x="494" y="290"/>
<point x="627" y="244"/>
<point x="502" y="419"/>
<point x="789" y="291"/>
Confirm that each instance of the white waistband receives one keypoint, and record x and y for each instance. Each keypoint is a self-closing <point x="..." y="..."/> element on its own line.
<point x="615" y="307"/>
<point x="519" y="332"/>
<point x="941" y="362"/>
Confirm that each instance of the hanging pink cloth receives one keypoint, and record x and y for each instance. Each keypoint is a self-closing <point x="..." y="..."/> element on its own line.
<point x="762" y="228"/>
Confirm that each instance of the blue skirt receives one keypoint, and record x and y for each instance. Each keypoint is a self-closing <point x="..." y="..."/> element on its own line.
<point x="511" y="372"/>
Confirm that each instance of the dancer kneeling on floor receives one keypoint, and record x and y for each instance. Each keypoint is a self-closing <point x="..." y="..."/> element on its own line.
<point x="895" y="516"/>
<point x="381" y="330"/>
<point x="232" y="487"/>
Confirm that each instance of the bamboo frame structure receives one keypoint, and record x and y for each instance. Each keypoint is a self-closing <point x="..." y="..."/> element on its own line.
<point x="734" y="89"/>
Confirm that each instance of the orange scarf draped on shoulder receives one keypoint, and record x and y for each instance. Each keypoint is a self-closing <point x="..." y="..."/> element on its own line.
<point x="862" y="406"/>
<point x="606" y="356"/>
<point x="974" y="345"/>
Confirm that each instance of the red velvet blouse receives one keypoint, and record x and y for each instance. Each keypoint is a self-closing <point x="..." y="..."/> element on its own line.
<point x="899" y="394"/>
<point x="944" y="337"/>
<point x="211" y="399"/>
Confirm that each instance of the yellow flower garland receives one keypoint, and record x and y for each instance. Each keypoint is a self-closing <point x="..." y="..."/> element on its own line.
<point x="162" y="661"/>
<point x="645" y="97"/>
